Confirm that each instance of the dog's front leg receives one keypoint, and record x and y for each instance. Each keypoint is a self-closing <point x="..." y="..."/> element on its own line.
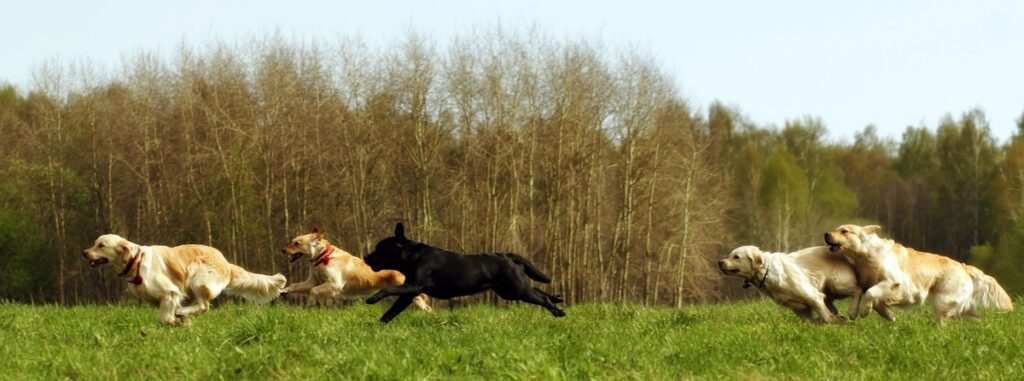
<point x="397" y="308"/>
<point x="874" y="299"/>
<point x="826" y="315"/>
<point x="854" y="305"/>
<point x="397" y="290"/>
<point x="169" y="309"/>
<point x="301" y="287"/>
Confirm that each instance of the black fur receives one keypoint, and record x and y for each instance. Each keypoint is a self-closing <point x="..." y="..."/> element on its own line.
<point x="443" y="274"/>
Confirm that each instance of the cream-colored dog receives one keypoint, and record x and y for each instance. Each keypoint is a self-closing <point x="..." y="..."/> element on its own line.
<point x="167" y="276"/>
<point x="806" y="281"/>
<point x="335" y="273"/>
<point x="901" y="276"/>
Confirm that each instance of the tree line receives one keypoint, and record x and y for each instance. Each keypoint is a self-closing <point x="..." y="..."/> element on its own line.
<point x="587" y="161"/>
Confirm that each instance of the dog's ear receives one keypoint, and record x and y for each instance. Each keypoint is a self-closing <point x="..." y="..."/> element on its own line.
<point x="756" y="261"/>
<point x="123" y="250"/>
<point x="872" y="229"/>
<point x="400" y="231"/>
<point x="318" y="233"/>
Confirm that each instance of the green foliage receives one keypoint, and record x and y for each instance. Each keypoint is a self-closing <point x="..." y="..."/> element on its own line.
<point x="738" y="341"/>
<point x="1005" y="261"/>
<point x="23" y="266"/>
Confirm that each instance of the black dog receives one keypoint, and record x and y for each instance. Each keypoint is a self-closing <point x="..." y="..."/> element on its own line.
<point x="445" y="275"/>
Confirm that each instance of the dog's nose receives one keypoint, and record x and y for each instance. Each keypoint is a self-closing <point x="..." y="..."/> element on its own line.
<point x="85" y="253"/>
<point x="283" y="251"/>
<point x="826" y="237"/>
<point x="721" y="263"/>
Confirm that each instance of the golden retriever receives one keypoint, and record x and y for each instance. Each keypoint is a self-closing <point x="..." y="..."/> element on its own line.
<point x="167" y="277"/>
<point x="806" y="281"/>
<point x="335" y="273"/>
<point x="901" y="276"/>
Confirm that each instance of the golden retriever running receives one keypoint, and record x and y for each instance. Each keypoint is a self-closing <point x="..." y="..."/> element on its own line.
<point x="335" y="273"/>
<point x="806" y="281"/>
<point x="167" y="276"/>
<point x="904" y="277"/>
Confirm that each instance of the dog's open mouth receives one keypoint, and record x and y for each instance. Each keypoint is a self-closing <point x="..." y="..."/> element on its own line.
<point x="98" y="262"/>
<point x="834" y="248"/>
<point x="295" y="257"/>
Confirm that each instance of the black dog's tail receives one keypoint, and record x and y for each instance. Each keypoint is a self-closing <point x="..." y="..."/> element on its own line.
<point x="531" y="271"/>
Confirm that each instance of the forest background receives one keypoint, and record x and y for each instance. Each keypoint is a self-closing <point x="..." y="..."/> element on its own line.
<point x="585" y="159"/>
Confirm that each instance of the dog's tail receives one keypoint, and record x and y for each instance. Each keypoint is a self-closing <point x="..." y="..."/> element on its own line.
<point x="528" y="268"/>
<point x="257" y="288"/>
<point x="987" y="291"/>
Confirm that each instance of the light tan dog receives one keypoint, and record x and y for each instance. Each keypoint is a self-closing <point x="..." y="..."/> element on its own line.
<point x="335" y="273"/>
<point x="167" y="276"/>
<point x="806" y="281"/>
<point x="901" y="276"/>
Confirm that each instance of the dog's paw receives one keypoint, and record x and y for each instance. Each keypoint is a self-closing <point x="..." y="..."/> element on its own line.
<point x="558" y="313"/>
<point x="181" y="320"/>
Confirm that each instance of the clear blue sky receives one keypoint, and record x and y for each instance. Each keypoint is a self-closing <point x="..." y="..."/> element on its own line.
<point x="890" y="63"/>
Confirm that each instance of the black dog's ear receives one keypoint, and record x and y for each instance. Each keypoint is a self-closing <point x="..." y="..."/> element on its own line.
<point x="400" y="231"/>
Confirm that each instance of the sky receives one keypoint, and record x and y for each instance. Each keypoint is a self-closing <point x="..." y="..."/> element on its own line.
<point x="889" y="63"/>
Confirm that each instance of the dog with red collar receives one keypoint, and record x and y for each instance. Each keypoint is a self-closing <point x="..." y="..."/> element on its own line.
<point x="167" y="276"/>
<point x="334" y="273"/>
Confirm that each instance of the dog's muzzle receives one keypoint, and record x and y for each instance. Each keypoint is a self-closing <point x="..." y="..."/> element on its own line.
<point x="95" y="262"/>
<point x="833" y="246"/>
<point x="725" y="270"/>
<point x="295" y="257"/>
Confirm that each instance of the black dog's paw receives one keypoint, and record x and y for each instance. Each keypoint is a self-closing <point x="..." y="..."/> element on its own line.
<point x="556" y="299"/>
<point x="558" y="313"/>
<point x="375" y="298"/>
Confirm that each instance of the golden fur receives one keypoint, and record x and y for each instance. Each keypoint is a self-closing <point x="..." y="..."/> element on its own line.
<point x="169" y="276"/>
<point x="895" y="275"/>
<point x="344" y="275"/>
<point x="806" y="281"/>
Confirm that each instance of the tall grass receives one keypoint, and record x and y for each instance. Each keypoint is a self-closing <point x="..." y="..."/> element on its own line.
<point x="748" y="340"/>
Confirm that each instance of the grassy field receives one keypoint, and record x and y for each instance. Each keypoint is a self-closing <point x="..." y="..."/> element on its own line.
<point x="748" y="341"/>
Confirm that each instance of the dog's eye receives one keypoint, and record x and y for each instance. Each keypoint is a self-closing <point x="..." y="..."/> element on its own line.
<point x="100" y="246"/>
<point x="296" y="243"/>
<point x="843" y="231"/>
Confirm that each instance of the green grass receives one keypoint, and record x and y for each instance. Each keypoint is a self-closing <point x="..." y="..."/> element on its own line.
<point x="747" y="341"/>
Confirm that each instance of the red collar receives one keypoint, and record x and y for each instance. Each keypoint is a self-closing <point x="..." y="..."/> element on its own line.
<point x="325" y="257"/>
<point x="135" y="262"/>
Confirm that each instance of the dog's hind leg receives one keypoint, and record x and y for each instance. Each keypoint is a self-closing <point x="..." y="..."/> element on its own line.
<point x="400" y="305"/>
<point x="325" y="292"/>
<point x="830" y="304"/>
<point x="552" y="297"/>
<point x="533" y="297"/>
<point x="421" y="302"/>
<point x="203" y="295"/>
